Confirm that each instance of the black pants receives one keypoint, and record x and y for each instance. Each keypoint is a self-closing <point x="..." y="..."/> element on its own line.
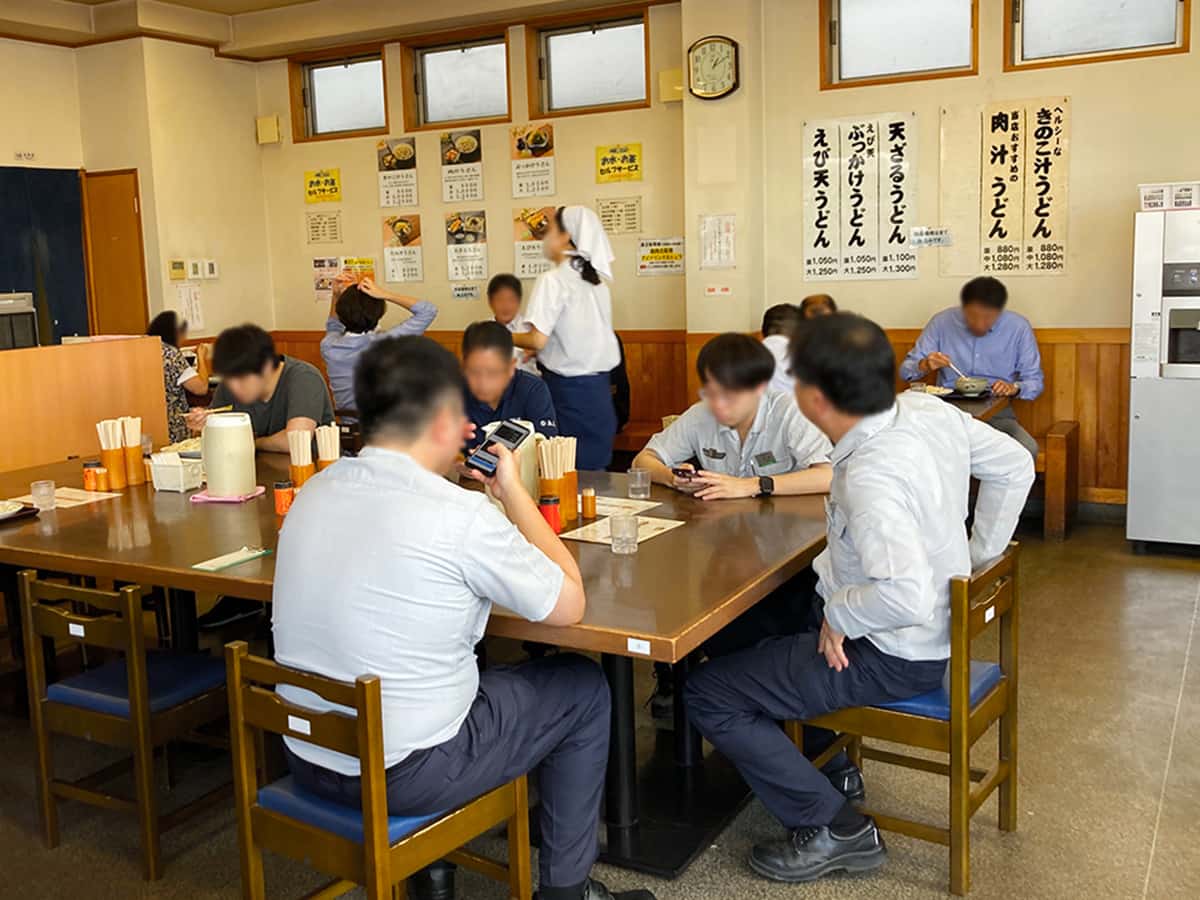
<point x="737" y="702"/>
<point x="549" y="714"/>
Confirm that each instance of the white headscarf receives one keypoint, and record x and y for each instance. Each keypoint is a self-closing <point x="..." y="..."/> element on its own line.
<point x="587" y="234"/>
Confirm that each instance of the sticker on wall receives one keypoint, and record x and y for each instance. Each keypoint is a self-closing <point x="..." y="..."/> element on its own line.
<point x="529" y="227"/>
<point x="323" y="227"/>
<point x="928" y="236"/>
<point x="323" y="186"/>
<point x="859" y="177"/>
<point x="1023" y="198"/>
<point x="618" y="162"/>
<point x="660" y="256"/>
<point x="462" y="166"/>
<point x="402" y="254"/>
<point x="464" y="291"/>
<point x="718" y="248"/>
<point x="396" y="160"/>
<point x="466" y="246"/>
<point x="324" y="270"/>
<point x="620" y="215"/>
<point x="532" y="150"/>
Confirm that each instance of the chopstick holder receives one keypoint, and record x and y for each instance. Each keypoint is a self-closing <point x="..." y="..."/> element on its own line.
<point x="135" y="470"/>
<point x="329" y="446"/>
<point x="300" y="449"/>
<point x="112" y="452"/>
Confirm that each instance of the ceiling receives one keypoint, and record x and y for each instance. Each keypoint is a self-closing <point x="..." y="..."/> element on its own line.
<point x="225" y="7"/>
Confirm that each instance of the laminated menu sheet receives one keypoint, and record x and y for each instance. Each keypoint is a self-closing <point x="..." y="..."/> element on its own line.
<point x="600" y="532"/>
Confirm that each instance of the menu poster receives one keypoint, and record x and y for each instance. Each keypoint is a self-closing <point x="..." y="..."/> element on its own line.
<point x="396" y="159"/>
<point x="618" y="162"/>
<point x="324" y="270"/>
<point x="620" y="215"/>
<point x="532" y="151"/>
<point x="323" y="186"/>
<point x="323" y="227"/>
<point x="402" y="254"/>
<point x="1002" y="195"/>
<point x="466" y="246"/>
<point x="859" y="178"/>
<point x="660" y="256"/>
<point x="717" y="242"/>
<point x="529" y="227"/>
<point x="359" y="267"/>
<point x="462" y="166"/>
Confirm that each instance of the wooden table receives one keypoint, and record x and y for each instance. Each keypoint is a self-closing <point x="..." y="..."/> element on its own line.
<point x="982" y="408"/>
<point x="660" y="604"/>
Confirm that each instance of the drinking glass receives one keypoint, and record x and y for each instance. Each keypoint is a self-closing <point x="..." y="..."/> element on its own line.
<point x="624" y="534"/>
<point x="43" y="494"/>
<point x="639" y="484"/>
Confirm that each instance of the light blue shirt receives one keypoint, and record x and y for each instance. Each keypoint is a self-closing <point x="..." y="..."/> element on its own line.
<point x="1009" y="352"/>
<point x="341" y="348"/>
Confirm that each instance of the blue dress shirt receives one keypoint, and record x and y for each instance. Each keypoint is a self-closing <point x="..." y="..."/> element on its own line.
<point x="526" y="397"/>
<point x="341" y="348"/>
<point x="1009" y="352"/>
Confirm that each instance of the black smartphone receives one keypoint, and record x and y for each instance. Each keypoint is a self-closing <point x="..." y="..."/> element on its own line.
<point x="509" y="433"/>
<point x="680" y="472"/>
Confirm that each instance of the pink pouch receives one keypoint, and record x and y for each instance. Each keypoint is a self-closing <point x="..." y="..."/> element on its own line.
<point x="202" y="496"/>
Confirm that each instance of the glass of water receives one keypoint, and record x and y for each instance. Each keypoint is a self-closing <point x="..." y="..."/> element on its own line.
<point x="639" y="484"/>
<point x="43" y="494"/>
<point x="624" y="533"/>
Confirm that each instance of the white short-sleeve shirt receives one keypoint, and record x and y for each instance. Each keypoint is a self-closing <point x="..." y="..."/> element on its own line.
<point x="782" y="380"/>
<point x="518" y="325"/>
<point x="385" y="568"/>
<point x="576" y="318"/>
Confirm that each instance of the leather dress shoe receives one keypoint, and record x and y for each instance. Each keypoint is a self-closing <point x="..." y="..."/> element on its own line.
<point x="435" y="882"/>
<point x="849" y="782"/>
<point x="807" y="854"/>
<point x="595" y="890"/>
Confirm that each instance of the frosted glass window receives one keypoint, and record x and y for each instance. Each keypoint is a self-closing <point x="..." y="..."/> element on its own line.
<point x="465" y="82"/>
<point x="1070" y="27"/>
<point x="596" y="66"/>
<point x="346" y="97"/>
<point x="877" y="38"/>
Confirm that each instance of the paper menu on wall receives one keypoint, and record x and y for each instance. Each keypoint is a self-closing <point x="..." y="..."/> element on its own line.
<point x="188" y="305"/>
<point x="396" y="160"/>
<point x="466" y="245"/>
<point x="600" y="532"/>
<point x="620" y="215"/>
<point x="533" y="169"/>
<point x="324" y="270"/>
<point x="323" y="227"/>
<point x="529" y="226"/>
<point x="403" y="259"/>
<point x="462" y="166"/>
<point x="717" y="242"/>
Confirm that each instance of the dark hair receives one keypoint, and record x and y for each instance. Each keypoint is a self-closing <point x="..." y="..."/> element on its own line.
<point x="401" y="382"/>
<point x="502" y="281"/>
<point x="780" y="319"/>
<point x="735" y="361"/>
<point x="815" y="300"/>
<point x="487" y="336"/>
<point x="986" y="291"/>
<point x="358" y="310"/>
<point x="243" y="350"/>
<point x="584" y="267"/>
<point x="850" y="359"/>
<point x="166" y="326"/>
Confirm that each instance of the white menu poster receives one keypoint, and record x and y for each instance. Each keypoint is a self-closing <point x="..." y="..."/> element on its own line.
<point x="396" y="159"/>
<point x="462" y="166"/>
<point x="859" y="178"/>
<point x="533" y="166"/>
<point x="402" y="253"/>
<point x="323" y="227"/>
<point x="620" y="215"/>
<point x="529" y="226"/>
<point x="466" y="246"/>
<point x="717" y="241"/>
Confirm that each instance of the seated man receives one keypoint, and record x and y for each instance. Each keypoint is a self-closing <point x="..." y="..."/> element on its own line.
<point x="386" y="567"/>
<point x="504" y="293"/>
<point x="902" y="468"/>
<point x="354" y="314"/>
<point x="279" y="393"/>
<point x="749" y="441"/>
<point x="496" y="389"/>
<point x="777" y="325"/>
<point x="817" y="305"/>
<point x="982" y="338"/>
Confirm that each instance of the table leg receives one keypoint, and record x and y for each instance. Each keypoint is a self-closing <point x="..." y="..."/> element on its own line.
<point x="689" y="746"/>
<point x="12" y="611"/>
<point x="620" y="789"/>
<point x="185" y="635"/>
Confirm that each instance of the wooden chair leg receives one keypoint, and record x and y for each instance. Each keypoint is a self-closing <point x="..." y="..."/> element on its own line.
<point x="795" y="732"/>
<point x="400" y="890"/>
<point x="147" y="804"/>
<point x="1008" y="787"/>
<point x="854" y="751"/>
<point x="960" y="817"/>
<point x="45" y="775"/>
<point x="520" y="876"/>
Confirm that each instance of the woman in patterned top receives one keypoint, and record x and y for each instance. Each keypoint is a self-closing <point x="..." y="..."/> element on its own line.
<point x="179" y="377"/>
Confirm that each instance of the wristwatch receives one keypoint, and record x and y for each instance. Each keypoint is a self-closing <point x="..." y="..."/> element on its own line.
<point x="766" y="485"/>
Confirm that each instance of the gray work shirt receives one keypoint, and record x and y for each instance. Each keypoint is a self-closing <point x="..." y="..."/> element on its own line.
<point x="780" y="441"/>
<point x="299" y="393"/>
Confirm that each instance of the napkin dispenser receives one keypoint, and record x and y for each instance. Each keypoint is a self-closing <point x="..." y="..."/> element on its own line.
<point x="227" y="445"/>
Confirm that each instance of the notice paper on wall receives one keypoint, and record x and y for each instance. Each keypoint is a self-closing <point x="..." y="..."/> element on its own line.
<point x="660" y="256"/>
<point x="532" y="150"/>
<point x="323" y="227"/>
<point x="359" y="267"/>
<point x="618" y="162"/>
<point x="323" y="186"/>
<point x="188" y="305"/>
<point x="717" y="241"/>
<point x="925" y="236"/>
<point x="324" y="270"/>
<point x="402" y="254"/>
<point x="396" y="160"/>
<point x="860" y="197"/>
<point x="620" y="215"/>
<point x="529" y="227"/>
<point x="464" y="291"/>
<point x="466" y="246"/>
<point x="462" y="166"/>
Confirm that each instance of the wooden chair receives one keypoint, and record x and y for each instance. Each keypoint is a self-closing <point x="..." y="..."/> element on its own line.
<point x="349" y="431"/>
<point x="139" y="701"/>
<point x="980" y="694"/>
<point x="368" y="847"/>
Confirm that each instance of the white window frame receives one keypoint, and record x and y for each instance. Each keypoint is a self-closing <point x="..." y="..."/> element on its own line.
<point x="544" y="73"/>
<point x="1014" y="24"/>
<point x="421" y="95"/>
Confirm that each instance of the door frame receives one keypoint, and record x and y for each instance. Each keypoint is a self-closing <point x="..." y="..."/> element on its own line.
<point x="87" y="239"/>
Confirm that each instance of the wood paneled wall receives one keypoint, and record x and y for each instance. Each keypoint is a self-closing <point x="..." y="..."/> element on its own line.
<point x="1087" y="381"/>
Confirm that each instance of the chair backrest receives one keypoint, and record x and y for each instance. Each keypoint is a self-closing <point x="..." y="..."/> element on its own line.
<point x="986" y="599"/>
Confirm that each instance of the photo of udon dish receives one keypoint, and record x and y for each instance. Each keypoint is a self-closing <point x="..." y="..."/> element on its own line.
<point x="466" y="227"/>
<point x="401" y="231"/>
<point x="532" y="140"/>
<point x="396" y="153"/>
<point x="460" y="147"/>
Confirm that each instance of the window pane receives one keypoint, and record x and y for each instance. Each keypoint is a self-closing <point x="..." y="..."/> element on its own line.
<point x="889" y="37"/>
<point x="592" y="68"/>
<point x="348" y="97"/>
<point x="465" y="82"/>
<point x="1067" y="27"/>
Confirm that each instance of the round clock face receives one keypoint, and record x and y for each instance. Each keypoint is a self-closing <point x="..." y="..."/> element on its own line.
<point x="714" y="68"/>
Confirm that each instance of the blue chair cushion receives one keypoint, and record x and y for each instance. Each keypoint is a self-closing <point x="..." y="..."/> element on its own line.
<point x="289" y="799"/>
<point x="935" y="704"/>
<point x="172" y="678"/>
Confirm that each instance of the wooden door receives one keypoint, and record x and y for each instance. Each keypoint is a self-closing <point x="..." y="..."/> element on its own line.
<point x="116" y="257"/>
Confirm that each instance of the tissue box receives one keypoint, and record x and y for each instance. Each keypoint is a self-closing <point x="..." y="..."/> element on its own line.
<point x="171" y="472"/>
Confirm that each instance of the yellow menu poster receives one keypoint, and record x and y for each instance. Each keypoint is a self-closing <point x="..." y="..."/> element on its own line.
<point x="618" y="162"/>
<point x="323" y="186"/>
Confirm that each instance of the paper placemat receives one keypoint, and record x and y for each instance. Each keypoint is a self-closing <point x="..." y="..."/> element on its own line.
<point x="611" y="506"/>
<point x="601" y="533"/>
<point x="65" y="497"/>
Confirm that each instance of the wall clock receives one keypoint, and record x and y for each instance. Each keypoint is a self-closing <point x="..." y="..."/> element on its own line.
<point x="713" y="67"/>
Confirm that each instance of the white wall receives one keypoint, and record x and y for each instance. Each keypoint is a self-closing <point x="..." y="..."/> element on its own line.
<point x="41" y="106"/>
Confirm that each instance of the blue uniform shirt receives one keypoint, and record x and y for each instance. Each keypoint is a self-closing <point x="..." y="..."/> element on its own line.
<point x="526" y="397"/>
<point x="341" y="348"/>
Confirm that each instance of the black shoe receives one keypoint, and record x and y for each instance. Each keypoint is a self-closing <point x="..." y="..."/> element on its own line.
<point x="595" y="890"/>
<point x="662" y="701"/>
<point x="849" y="781"/>
<point x="227" y="611"/>
<point x="435" y="882"/>
<point x="810" y="853"/>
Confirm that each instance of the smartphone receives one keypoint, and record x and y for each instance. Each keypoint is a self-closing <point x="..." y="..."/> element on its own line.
<point x="509" y="433"/>
<point x="685" y="474"/>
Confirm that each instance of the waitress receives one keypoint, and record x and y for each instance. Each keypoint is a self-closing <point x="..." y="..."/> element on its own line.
<point x="570" y="328"/>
